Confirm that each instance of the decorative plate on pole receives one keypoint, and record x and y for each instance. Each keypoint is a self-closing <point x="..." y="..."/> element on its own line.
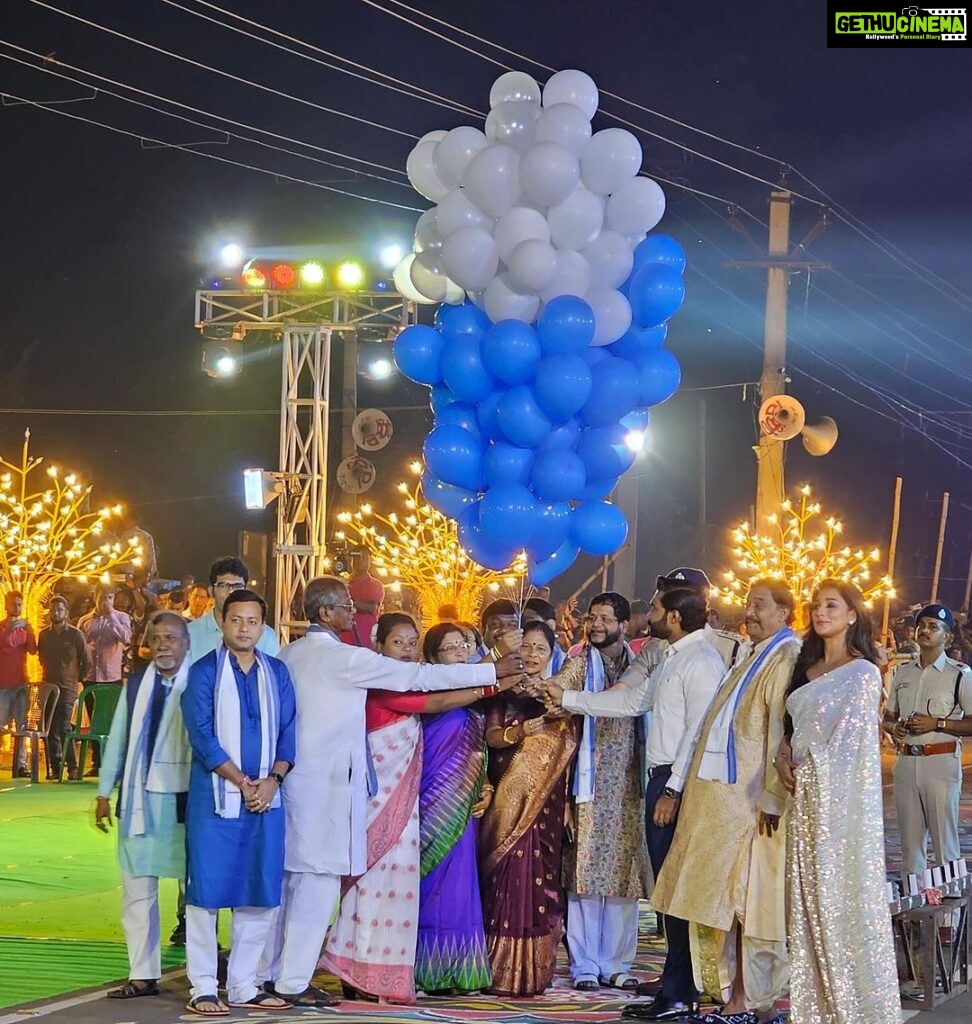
<point x="356" y="474"/>
<point x="371" y="430"/>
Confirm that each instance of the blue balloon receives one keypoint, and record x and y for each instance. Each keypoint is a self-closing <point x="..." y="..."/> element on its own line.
<point x="465" y="321"/>
<point x="511" y="351"/>
<point x="660" y="376"/>
<point x="450" y="500"/>
<point x="459" y="414"/>
<point x="478" y="546"/>
<point x="562" y="386"/>
<point x="418" y="354"/>
<point x="614" y="392"/>
<point x="563" y="437"/>
<point x="442" y="313"/>
<point x="557" y="476"/>
<point x="637" y="340"/>
<point x="595" y="490"/>
<point x="507" y="464"/>
<point x="659" y="249"/>
<point x="508" y="515"/>
<point x="454" y="455"/>
<point x="463" y="370"/>
<point x="551" y="529"/>
<point x="596" y="354"/>
<point x="486" y="414"/>
<point x="598" y="527"/>
<point x="604" y="453"/>
<point x="657" y="291"/>
<point x="439" y="397"/>
<point x="637" y="419"/>
<point x="566" y="326"/>
<point x="540" y="573"/>
<point x="521" y="418"/>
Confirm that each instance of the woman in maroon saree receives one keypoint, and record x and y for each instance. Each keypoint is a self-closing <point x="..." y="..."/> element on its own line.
<point x="521" y="837"/>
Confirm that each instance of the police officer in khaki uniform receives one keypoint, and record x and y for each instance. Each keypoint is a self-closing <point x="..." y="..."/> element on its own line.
<point x="929" y="703"/>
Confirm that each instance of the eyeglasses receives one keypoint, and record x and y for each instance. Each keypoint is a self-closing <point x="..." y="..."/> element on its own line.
<point x="237" y="585"/>
<point x="449" y="648"/>
<point x="348" y="607"/>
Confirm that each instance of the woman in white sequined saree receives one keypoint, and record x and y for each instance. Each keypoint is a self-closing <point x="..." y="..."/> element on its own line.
<point x="839" y="929"/>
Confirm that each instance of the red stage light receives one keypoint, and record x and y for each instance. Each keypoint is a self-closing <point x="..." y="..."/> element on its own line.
<point x="283" y="275"/>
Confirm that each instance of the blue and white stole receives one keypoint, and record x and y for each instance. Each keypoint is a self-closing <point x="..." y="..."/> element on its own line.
<point x="594" y="680"/>
<point x="227" y="719"/>
<point x="718" y="762"/>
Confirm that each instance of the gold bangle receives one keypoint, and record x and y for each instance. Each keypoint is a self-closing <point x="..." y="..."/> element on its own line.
<point x="506" y="738"/>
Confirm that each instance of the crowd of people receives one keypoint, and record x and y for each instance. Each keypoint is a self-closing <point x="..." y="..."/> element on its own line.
<point x="420" y="813"/>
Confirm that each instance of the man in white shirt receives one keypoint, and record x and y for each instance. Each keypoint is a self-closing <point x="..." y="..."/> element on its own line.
<point x="678" y="694"/>
<point x="326" y="794"/>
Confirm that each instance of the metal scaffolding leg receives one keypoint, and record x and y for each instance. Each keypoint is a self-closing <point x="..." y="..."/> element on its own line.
<point x="301" y="519"/>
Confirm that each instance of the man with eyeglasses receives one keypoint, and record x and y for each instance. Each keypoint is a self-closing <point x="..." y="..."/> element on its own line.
<point x="206" y="632"/>
<point x="929" y="705"/>
<point x="326" y="795"/>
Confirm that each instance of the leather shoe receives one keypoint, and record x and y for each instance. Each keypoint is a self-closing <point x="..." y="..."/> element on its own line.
<point x="660" y="1009"/>
<point x="649" y="989"/>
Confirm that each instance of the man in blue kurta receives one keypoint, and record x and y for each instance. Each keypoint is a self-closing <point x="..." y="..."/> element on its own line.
<point x="240" y="712"/>
<point x="147" y="756"/>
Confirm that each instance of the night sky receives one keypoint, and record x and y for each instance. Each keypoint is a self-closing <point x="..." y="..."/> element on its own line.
<point x="105" y="240"/>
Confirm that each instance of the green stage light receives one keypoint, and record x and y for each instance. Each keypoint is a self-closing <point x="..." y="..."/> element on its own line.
<point x="311" y="274"/>
<point x="254" y="277"/>
<point x="350" y="274"/>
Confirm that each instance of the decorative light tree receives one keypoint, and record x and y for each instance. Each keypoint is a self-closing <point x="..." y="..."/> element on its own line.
<point x="419" y="548"/>
<point x="805" y="549"/>
<point x="47" y="534"/>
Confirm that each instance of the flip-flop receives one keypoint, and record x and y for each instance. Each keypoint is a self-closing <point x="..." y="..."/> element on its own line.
<point x="131" y="991"/>
<point x="264" y="1001"/>
<point x="193" y="1006"/>
<point x="312" y="996"/>
<point x="587" y="984"/>
<point x="622" y="981"/>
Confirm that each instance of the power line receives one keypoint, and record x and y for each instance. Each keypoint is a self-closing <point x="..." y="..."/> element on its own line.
<point x="210" y="156"/>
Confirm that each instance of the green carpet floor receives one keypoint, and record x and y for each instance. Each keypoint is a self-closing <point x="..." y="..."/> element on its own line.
<point x="60" y="894"/>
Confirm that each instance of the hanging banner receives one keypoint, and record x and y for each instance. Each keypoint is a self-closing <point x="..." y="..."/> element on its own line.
<point x="356" y="474"/>
<point x="371" y="430"/>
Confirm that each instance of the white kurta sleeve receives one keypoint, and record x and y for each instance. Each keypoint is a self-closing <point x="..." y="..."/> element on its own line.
<point x="624" y="700"/>
<point x="375" y="672"/>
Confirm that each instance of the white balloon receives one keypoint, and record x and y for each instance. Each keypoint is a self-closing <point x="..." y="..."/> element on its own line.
<point x="612" y="157"/>
<point x="512" y="124"/>
<point x="634" y="241"/>
<point x="453" y="153"/>
<point x="514" y="86"/>
<point x="610" y="258"/>
<point x="470" y="258"/>
<point x="572" y="276"/>
<point x="502" y="303"/>
<point x="403" y="280"/>
<point x="492" y="179"/>
<point x="573" y="87"/>
<point x="576" y="221"/>
<point x="456" y="210"/>
<point x="636" y="207"/>
<point x="454" y="295"/>
<point x="549" y="173"/>
<point x="531" y="266"/>
<point x="564" y="124"/>
<point x="516" y="226"/>
<point x="427" y="234"/>
<point x="429" y="276"/>
<point x="612" y="314"/>
<point x="421" y="172"/>
<point x="437" y="136"/>
<point x="476" y="298"/>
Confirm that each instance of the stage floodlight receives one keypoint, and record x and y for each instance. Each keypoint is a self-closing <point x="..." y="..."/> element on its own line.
<point x="283" y="276"/>
<point x="254" y="277"/>
<point x="220" y="358"/>
<point x="382" y="369"/>
<point x="312" y="274"/>
<point x="231" y="255"/>
<point x="637" y="441"/>
<point x="391" y="255"/>
<point x="261" y="487"/>
<point x="226" y="365"/>
<point x="350" y="274"/>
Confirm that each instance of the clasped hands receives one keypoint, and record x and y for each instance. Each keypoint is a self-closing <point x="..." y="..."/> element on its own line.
<point x="912" y="726"/>
<point x="258" y="794"/>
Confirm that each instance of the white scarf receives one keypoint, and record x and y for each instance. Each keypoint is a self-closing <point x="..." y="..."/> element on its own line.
<point x="228" y="722"/>
<point x="718" y="763"/>
<point x="168" y="769"/>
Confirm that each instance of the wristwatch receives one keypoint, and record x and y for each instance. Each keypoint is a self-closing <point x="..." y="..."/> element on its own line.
<point x="672" y="794"/>
<point x="277" y="777"/>
<point x="940" y="725"/>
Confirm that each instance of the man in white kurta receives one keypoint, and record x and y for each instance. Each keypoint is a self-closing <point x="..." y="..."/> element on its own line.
<point x="147" y="756"/>
<point x="326" y="794"/>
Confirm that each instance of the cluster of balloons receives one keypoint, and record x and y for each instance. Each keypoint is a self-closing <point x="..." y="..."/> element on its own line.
<point x="534" y="207"/>
<point x="548" y="349"/>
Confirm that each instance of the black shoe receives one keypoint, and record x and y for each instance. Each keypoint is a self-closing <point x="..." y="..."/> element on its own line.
<point x="23" y="772"/>
<point x="178" y="936"/>
<point x="660" y="1009"/>
<point x="649" y="989"/>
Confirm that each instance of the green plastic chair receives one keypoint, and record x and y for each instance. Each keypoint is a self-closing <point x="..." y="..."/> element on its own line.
<point x="103" y="698"/>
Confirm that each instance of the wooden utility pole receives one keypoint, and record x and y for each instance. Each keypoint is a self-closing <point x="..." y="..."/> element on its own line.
<point x="938" y="553"/>
<point x="892" y="550"/>
<point x="779" y="263"/>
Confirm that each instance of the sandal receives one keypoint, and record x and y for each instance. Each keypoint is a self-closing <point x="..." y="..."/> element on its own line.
<point x="149" y="987"/>
<point x="586" y="983"/>
<point x="265" y="1001"/>
<point x="312" y="996"/>
<point x="194" y="1006"/>
<point x="624" y="982"/>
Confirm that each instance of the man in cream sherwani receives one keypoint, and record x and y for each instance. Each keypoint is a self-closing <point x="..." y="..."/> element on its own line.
<point x="326" y="794"/>
<point x="147" y="756"/>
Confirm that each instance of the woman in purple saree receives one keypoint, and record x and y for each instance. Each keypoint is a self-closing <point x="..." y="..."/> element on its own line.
<point x="451" y="951"/>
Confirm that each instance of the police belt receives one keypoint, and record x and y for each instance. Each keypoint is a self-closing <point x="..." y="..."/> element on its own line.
<point x="924" y="750"/>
